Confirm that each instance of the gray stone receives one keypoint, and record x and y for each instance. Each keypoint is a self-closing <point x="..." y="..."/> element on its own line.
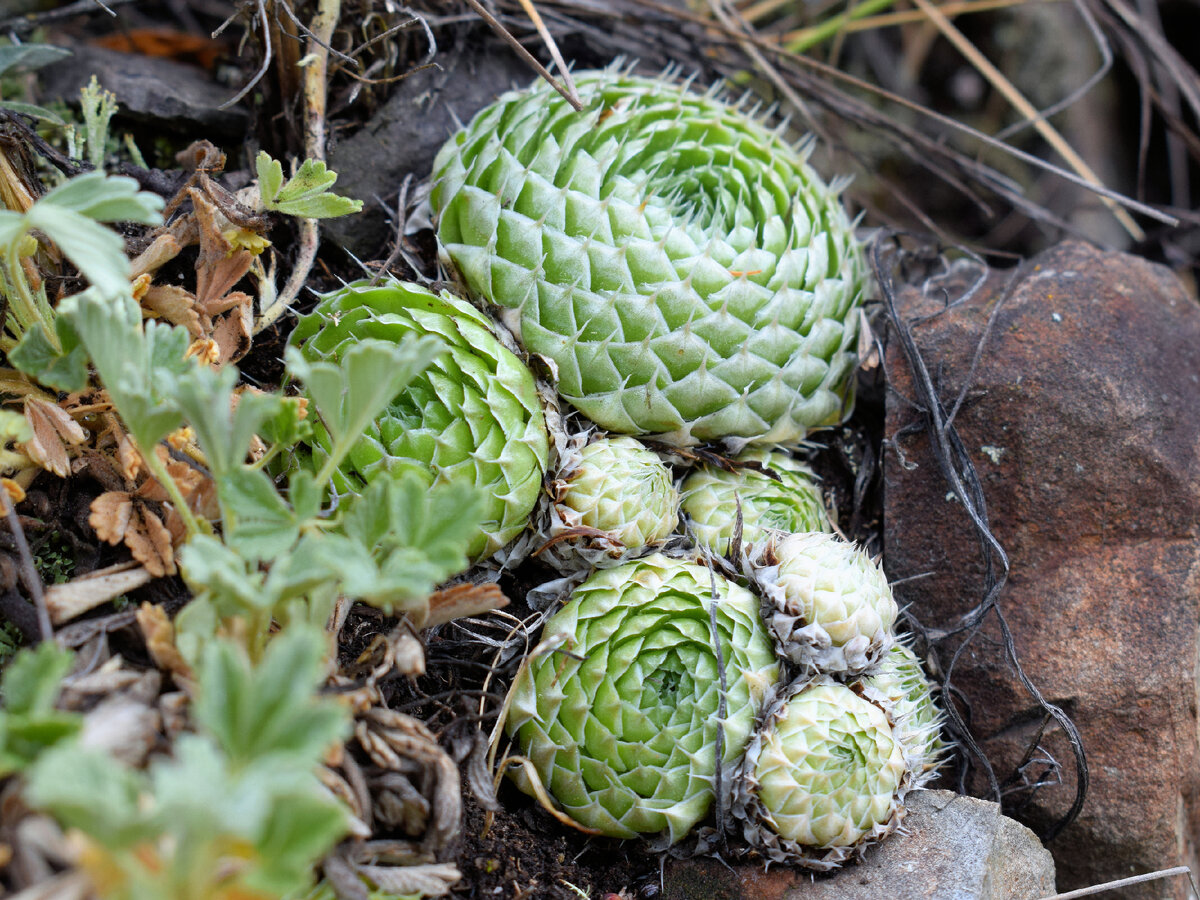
<point x="405" y="134"/>
<point x="167" y="93"/>
<point x="951" y="848"/>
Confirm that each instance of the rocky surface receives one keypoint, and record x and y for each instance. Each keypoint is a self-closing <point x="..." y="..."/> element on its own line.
<point x="168" y="94"/>
<point x="1083" y="422"/>
<point x="404" y="135"/>
<point x="952" y="848"/>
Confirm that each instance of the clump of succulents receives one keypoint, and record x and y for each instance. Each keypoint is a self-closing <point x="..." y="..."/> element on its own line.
<point x="611" y="496"/>
<point x="664" y="667"/>
<point x="714" y="497"/>
<point x="827" y="603"/>
<point x="821" y="778"/>
<point x="473" y="416"/>
<point x="684" y="269"/>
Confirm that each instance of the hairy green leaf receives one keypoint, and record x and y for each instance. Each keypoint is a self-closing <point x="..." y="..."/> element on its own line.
<point x="30" y="56"/>
<point x="269" y="709"/>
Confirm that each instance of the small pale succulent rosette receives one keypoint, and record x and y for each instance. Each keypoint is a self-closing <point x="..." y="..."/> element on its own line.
<point x="713" y="497"/>
<point x="628" y="726"/>
<point x="827" y="603"/>
<point x="899" y="685"/>
<point x="611" y="498"/>
<point x="822" y="779"/>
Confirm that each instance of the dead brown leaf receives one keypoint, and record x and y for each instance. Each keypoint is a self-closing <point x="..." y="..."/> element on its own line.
<point x="159" y="633"/>
<point x="54" y="431"/>
<point x="110" y="515"/>
<point x="176" y="305"/>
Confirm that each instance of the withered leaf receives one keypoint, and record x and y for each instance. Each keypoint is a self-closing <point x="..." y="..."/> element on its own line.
<point x="149" y="540"/>
<point x="159" y="633"/>
<point x="53" y="432"/>
<point x="176" y="305"/>
<point x="110" y="515"/>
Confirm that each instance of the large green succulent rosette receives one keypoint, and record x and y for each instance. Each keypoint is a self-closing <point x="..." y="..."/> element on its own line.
<point x="622" y="726"/>
<point x="823" y="777"/>
<point x="473" y="416"/>
<point x="687" y="272"/>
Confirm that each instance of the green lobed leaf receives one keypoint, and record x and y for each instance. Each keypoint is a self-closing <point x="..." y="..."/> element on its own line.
<point x="352" y="392"/>
<point x="305" y="194"/>
<point x="31" y="682"/>
<point x="271" y="708"/>
<point x="63" y="370"/>
<point x="88" y="790"/>
<point x="258" y="522"/>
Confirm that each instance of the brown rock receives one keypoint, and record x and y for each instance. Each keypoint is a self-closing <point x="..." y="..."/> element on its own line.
<point x="1083" y="423"/>
<point x="951" y="848"/>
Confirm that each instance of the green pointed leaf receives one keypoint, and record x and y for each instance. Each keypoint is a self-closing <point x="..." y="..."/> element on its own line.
<point x="33" y="111"/>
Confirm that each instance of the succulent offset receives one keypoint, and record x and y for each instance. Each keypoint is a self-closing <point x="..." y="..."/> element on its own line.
<point x="611" y="496"/>
<point x="473" y="416"/>
<point x="712" y="497"/>
<point x="828" y="604"/>
<point x="900" y="686"/>
<point x="687" y="272"/>
<point x="822" y="777"/>
<point x="622" y="726"/>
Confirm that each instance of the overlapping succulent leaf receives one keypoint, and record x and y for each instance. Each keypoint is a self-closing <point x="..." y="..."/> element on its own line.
<point x="828" y="604"/>
<point x="623" y="725"/>
<point x="472" y="417"/>
<point x="822" y="777"/>
<point x="612" y="496"/>
<point x="712" y="498"/>
<point x="685" y="269"/>
<point x="899" y="684"/>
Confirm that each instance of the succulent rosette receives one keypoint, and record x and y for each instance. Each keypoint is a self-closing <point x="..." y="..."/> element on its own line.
<point x="827" y="603"/>
<point x="899" y="685"/>
<point x="821" y="779"/>
<point x="683" y="267"/>
<point x="610" y="497"/>
<point x="473" y="416"/>
<point x="713" y="496"/>
<point x="626" y="727"/>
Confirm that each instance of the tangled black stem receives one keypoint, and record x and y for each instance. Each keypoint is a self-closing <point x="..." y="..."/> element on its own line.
<point x="956" y="466"/>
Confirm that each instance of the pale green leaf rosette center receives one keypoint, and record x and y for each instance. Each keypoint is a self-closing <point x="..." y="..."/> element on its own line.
<point x="622" y="726"/>
<point x="472" y="417"/>
<point x="687" y="272"/>
<point x="712" y="497"/>
<point x="823" y="775"/>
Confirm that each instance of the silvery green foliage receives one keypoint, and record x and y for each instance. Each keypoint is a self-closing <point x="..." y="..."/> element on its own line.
<point x="899" y="685"/>
<point x="472" y="417"/>
<point x="686" y="271"/>
<point x="827" y="603"/>
<point x="611" y="496"/>
<point x="712" y="497"/>
<point x="822" y="777"/>
<point x="622" y="725"/>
